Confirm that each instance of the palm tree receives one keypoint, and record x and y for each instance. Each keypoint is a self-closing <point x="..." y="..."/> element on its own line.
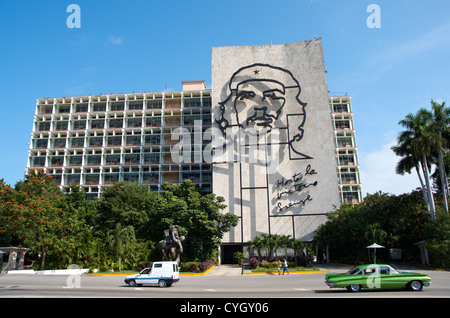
<point x="119" y="239"/>
<point x="440" y="125"/>
<point x="285" y="242"/>
<point x="297" y="245"/>
<point x="418" y="140"/>
<point x="258" y="244"/>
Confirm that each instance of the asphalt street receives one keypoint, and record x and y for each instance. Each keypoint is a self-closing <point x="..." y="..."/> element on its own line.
<point x="222" y="283"/>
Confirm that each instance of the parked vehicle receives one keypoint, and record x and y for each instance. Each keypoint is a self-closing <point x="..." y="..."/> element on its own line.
<point x="377" y="276"/>
<point x="161" y="273"/>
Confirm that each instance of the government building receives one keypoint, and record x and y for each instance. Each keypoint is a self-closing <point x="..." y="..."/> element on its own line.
<point x="268" y="137"/>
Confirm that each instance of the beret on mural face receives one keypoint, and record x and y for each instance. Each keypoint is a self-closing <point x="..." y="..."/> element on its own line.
<point x="262" y="72"/>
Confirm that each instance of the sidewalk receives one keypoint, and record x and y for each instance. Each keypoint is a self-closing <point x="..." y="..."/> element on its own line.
<point x="225" y="270"/>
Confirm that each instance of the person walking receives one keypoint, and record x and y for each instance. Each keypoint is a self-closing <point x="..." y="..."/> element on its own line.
<point x="285" y="267"/>
<point x="279" y="267"/>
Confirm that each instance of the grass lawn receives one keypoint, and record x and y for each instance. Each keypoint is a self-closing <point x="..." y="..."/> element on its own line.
<point x="290" y="269"/>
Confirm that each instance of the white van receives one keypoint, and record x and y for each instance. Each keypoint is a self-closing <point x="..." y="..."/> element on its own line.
<point x="161" y="273"/>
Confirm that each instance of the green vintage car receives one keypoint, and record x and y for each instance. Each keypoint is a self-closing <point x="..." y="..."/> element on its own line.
<point x="377" y="276"/>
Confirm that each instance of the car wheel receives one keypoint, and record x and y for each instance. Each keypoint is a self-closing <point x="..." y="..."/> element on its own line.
<point x="162" y="283"/>
<point x="415" y="285"/>
<point x="354" y="288"/>
<point x="132" y="283"/>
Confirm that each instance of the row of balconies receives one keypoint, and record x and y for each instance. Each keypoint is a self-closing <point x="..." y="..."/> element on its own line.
<point x="107" y="104"/>
<point x="109" y="176"/>
<point x="115" y="123"/>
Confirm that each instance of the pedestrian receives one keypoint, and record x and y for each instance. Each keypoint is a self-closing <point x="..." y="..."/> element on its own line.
<point x="285" y="267"/>
<point x="279" y="267"/>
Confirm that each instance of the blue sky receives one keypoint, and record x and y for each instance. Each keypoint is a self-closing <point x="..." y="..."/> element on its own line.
<point x="126" y="46"/>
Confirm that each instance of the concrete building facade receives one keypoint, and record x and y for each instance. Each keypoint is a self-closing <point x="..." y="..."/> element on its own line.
<point x="267" y="137"/>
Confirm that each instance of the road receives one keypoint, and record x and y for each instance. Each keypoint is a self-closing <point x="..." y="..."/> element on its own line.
<point x="209" y="286"/>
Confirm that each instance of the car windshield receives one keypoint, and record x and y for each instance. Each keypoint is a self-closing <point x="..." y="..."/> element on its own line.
<point x="354" y="271"/>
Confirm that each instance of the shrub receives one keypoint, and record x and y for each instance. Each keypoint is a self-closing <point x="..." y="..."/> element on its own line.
<point x="205" y="265"/>
<point x="254" y="263"/>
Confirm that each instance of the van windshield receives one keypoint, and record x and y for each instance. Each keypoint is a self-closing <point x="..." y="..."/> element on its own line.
<point x="146" y="271"/>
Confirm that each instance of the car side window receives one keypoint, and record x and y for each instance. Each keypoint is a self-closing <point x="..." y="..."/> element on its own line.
<point x="370" y="271"/>
<point x="384" y="270"/>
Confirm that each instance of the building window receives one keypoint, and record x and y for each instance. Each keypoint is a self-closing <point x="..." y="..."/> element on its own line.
<point x="79" y="124"/>
<point x="117" y="106"/>
<point x="92" y="178"/>
<point x="43" y="126"/>
<point x="340" y="108"/>
<point x="98" y="124"/>
<point x="113" y="159"/>
<point x="73" y="178"/>
<point x="41" y="143"/>
<point x="59" y="143"/>
<point x="46" y="109"/>
<point x="77" y="142"/>
<point x="131" y="176"/>
<point x="94" y="160"/>
<point x="135" y="105"/>
<point x="57" y="161"/>
<point x="153" y="121"/>
<point x="114" y="141"/>
<point x="133" y="140"/>
<point x="134" y="122"/>
<point x="342" y="124"/>
<point x="96" y="141"/>
<point x="151" y="158"/>
<point x="75" y="160"/>
<point x="192" y="102"/>
<point x="99" y="107"/>
<point x="116" y="123"/>
<point x="152" y="139"/>
<point x="207" y="102"/>
<point x="111" y="178"/>
<point x="39" y="161"/>
<point x="81" y="108"/>
<point x="132" y="158"/>
<point x="63" y="109"/>
<point x="154" y="104"/>
<point x="62" y="125"/>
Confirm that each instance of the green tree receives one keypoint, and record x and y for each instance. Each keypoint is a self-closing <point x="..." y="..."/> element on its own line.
<point x="285" y="243"/>
<point x="258" y="244"/>
<point x="127" y="203"/>
<point x="417" y="141"/>
<point x="35" y="212"/>
<point x="120" y="240"/>
<point x="198" y="215"/>
<point x="440" y="125"/>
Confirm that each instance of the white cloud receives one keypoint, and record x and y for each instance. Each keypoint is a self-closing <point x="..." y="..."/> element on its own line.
<point x="377" y="171"/>
<point x="114" y="40"/>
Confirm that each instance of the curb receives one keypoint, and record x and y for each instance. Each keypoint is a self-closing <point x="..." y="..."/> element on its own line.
<point x="181" y="274"/>
<point x="297" y="272"/>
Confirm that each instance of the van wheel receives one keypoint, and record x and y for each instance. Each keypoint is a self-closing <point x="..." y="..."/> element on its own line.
<point x="162" y="283"/>
<point x="132" y="283"/>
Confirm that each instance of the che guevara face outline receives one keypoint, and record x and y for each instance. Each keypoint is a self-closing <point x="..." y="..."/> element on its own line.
<point x="275" y="92"/>
<point x="258" y="103"/>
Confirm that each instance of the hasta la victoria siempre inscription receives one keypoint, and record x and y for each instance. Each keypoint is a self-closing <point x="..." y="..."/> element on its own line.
<point x="295" y="185"/>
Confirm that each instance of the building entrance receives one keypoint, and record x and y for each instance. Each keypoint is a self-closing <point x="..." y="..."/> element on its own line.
<point x="227" y="252"/>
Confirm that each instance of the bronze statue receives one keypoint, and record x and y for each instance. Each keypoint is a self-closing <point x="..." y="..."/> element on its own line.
<point x="171" y="244"/>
